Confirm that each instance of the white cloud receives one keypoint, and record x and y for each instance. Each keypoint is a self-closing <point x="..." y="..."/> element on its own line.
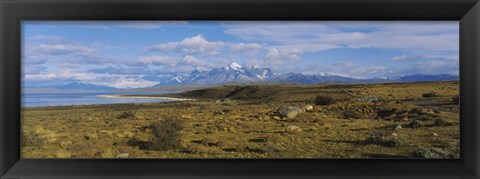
<point x="148" y="25"/>
<point x="126" y="82"/>
<point x="33" y="69"/>
<point x="111" y="80"/>
<point x="432" y="36"/>
<point x="34" y="59"/>
<point x="133" y="25"/>
<point x="187" y="63"/>
<point x="191" y="45"/>
<point x="250" y="48"/>
<point x="400" y="58"/>
<point x="42" y="76"/>
<point x="39" y="49"/>
<point x="284" y="54"/>
<point x="159" y="60"/>
<point x="60" y="49"/>
<point x="96" y="27"/>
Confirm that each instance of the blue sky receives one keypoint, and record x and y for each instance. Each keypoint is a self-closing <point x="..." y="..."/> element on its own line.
<point x="127" y="54"/>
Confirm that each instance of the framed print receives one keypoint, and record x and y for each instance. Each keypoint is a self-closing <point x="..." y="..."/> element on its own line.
<point x="239" y="89"/>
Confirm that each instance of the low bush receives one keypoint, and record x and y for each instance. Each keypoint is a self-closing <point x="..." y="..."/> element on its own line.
<point x="394" y="142"/>
<point x="30" y="138"/>
<point x="210" y="140"/>
<point x="386" y="113"/>
<point x="352" y="115"/>
<point x="383" y="138"/>
<point x="126" y="115"/>
<point x="165" y="134"/>
<point x="424" y="117"/>
<point x="429" y="95"/>
<point x="456" y="99"/>
<point x="197" y="149"/>
<point x="415" y="124"/>
<point x="325" y="100"/>
<point x="432" y="153"/>
<point x="441" y="122"/>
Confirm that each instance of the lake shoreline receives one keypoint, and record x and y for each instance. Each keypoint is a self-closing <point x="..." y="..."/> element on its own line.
<point x="143" y="97"/>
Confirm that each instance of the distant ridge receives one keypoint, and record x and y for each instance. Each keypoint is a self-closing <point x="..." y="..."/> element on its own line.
<point x="235" y="73"/>
<point x="84" y="86"/>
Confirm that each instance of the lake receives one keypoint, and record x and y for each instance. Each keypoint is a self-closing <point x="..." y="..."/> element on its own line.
<point x="35" y="100"/>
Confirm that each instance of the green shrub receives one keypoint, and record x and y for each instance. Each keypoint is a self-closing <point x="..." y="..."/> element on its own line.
<point x="394" y="142"/>
<point x="375" y="137"/>
<point x="387" y="113"/>
<point x="325" y="100"/>
<point x="383" y="138"/>
<point x="441" y="122"/>
<point x="424" y="117"/>
<point x="166" y="135"/>
<point x="415" y="124"/>
<point x="352" y="115"/>
<point x="432" y="153"/>
<point x="30" y="138"/>
<point x="126" y="115"/>
<point x="429" y="95"/>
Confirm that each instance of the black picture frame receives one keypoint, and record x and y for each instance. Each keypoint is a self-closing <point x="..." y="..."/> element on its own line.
<point x="12" y="12"/>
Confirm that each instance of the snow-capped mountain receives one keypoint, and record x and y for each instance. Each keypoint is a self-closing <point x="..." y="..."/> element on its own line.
<point x="235" y="72"/>
<point x="313" y="78"/>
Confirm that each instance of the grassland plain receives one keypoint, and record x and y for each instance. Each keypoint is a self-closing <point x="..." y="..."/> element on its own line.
<point x="393" y="120"/>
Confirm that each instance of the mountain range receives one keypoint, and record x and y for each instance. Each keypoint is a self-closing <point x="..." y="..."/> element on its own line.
<point x="240" y="74"/>
<point x="230" y="73"/>
<point x="235" y="73"/>
<point x="83" y="86"/>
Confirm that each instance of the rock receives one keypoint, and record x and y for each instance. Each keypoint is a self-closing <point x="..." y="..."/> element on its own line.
<point x="291" y="114"/>
<point x="308" y="107"/>
<point x="218" y="113"/>
<point x="293" y="129"/>
<point x="398" y="127"/>
<point x="290" y="111"/>
<point x="123" y="155"/>
<point x="277" y="118"/>
<point x="394" y="134"/>
<point x="434" y="134"/>
<point x="91" y="137"/>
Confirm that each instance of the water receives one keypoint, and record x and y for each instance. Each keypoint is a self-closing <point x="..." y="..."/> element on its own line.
<point x="34" y="100"/>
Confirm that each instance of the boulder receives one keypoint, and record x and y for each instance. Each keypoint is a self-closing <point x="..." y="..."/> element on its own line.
<point x="293" y="129"/>
<point x="123" y="155"/>
<point x="289" y="111"/>
<point x="398" y="127"/>
<point x="291" y="114"/>
<point x="308" y="107"/>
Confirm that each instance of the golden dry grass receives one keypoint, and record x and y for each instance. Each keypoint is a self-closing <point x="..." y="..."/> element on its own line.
<point x="248" y="126"/>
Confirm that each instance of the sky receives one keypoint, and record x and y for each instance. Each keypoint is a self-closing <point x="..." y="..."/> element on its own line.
<point x="135" y="54"/>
